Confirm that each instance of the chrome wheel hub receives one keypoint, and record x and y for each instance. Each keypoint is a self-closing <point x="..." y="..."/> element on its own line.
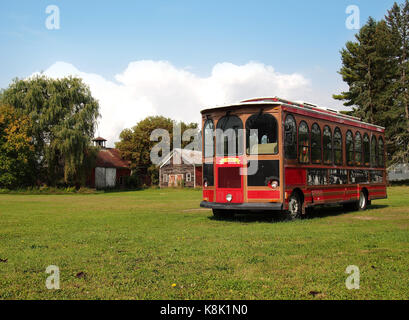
<point x="293" y="206"/>
<point x="362" y="201"/>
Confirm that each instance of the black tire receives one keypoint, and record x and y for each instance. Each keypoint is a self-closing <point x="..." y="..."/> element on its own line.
<point x="294" y="207"/>
<point x="223" y="214"/>
<point x="362" y="204"/>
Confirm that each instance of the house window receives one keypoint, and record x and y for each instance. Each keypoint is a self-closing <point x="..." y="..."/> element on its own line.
<point x="165" y="178"/>
<point x="188" y="177"/>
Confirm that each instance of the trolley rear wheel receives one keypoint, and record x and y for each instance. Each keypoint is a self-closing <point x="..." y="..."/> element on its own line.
<point x="360" y="205"/>
<point x="363" y="201"/>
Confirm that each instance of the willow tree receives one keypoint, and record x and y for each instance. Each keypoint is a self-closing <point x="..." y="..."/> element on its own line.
<point x="63" y="117"/>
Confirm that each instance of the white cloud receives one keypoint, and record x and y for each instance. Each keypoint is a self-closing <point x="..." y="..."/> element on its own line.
<point x="158" y="88"/>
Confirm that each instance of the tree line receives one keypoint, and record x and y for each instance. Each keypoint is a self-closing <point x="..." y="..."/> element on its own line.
<point x="376" y="68"/>
<point x="46" y="127"/>
<point x="46" y="131"/>
<point x="135" y="146"/>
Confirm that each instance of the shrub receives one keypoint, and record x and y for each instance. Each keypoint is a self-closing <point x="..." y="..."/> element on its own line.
<point x="133" y="181"/>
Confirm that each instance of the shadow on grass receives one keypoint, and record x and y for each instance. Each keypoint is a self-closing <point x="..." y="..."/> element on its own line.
<point x="253" y="218"/>
<point x="332" y="211"/>
<point x="403" y="183"/>
<point x="317" y="213"/>
<point x="113" y="191"/>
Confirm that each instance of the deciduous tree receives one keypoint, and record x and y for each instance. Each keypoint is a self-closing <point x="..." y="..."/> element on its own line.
<point x="135" y="144"/>
<point x="16" y="149"/>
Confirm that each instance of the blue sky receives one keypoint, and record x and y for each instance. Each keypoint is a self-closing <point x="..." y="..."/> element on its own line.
<point x="103" y="37"/>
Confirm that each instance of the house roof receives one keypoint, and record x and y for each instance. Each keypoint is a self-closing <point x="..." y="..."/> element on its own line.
<point x="111" y="158"/>
<point x="99" y="139"/>
<point x="187" y="156"/>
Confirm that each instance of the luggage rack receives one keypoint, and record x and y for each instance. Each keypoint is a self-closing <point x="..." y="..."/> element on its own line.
<point x="307" y="105"/>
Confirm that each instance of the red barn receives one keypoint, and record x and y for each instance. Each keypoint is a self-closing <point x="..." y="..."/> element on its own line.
<point x="110" y="169"/>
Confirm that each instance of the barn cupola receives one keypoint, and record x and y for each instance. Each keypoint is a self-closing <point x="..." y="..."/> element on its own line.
<point x="100" y="142"/>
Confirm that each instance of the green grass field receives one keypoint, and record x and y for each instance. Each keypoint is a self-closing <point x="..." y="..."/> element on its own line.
<point x="157" y="244"/>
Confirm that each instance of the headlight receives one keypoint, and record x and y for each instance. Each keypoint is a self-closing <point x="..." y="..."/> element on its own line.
<point x="273" y="184"/>
<point x="229" y="198"/>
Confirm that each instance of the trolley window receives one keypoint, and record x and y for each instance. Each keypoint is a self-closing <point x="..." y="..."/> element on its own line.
<point x="303" y="143"/>
<point x="316" y="149"/>
<point x="229" y="137"/>
<point x="265" y="141"/>
<point x="209" y="139"/>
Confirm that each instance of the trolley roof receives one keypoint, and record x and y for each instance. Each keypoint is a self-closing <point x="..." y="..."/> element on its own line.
<point x="301" y="108"/>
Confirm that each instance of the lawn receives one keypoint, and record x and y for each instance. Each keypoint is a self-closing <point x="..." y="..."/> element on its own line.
<point x="157" y="244"/>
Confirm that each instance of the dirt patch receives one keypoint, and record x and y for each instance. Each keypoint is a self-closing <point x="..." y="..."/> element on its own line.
<point x="374" y="250"/>
<point x="81" y="275"/>
<point x="316" y="294"/>
<point x="403" y="226"/>
<point x="366" y="218"/>
<point x="201" y="209"/>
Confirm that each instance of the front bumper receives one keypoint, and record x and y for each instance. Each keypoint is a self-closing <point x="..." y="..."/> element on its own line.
<point x="243" y="206"/>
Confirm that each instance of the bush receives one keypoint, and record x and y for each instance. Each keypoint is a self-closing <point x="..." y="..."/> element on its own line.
<point x="49" y="190"/>
<point x="70" y="190"/>
<point x="181" y="183"/>
<point x="83" y="190"/>
<point x="133" y="182"/>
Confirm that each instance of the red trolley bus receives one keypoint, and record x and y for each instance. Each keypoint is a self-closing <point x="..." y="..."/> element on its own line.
<point x="305" y="156"/>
